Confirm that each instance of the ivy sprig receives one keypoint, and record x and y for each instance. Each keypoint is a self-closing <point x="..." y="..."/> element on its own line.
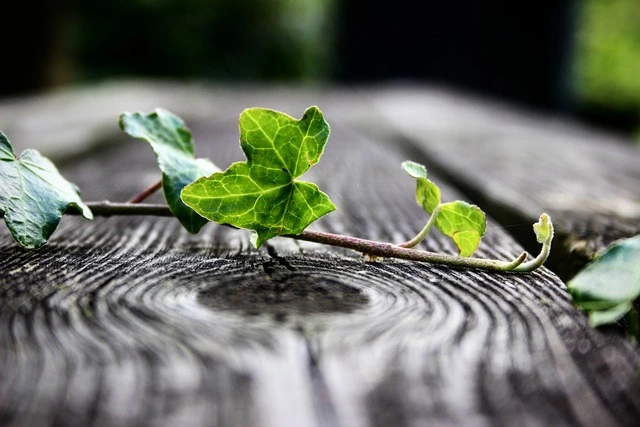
<point x="263" y="193"/>
<point x="464" y="223"/>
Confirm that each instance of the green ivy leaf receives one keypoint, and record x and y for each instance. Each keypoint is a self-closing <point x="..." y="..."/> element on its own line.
<point x="427" y="193"/>
<point x="606" y="288"/>
<point x="263" y="193"/>
<point x="34" y="195"/>
<point x="464" y="223"/>
<point x="609" y="315"/>
<point x="415" y="170"/>
<point x="174" y="148"/>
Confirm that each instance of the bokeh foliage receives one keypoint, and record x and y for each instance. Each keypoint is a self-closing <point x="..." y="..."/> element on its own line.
<point x="607" y="64"/>
<point x="261" y="40"/>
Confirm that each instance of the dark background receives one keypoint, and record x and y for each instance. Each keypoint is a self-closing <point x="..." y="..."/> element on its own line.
<point x="570" y="57"/>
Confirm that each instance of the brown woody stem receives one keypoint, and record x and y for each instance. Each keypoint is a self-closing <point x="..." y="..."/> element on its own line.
<point x="146" y="193"/>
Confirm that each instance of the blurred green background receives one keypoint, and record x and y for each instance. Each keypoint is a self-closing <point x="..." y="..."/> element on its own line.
<point x="574" y="57"/>
<point x="222" y="39"/>
<point x="607" y="63"/>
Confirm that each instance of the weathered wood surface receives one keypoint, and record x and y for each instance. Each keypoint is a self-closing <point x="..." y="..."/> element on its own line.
<point x="132" y="321"/>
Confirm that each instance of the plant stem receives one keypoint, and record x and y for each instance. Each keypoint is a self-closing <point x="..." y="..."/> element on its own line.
<point x="365" y="246"/>
<point x="371" y="247"/>
<point x="423" y="233"/>
<point x="146" y="193"/>
<point x="537" y="261"/>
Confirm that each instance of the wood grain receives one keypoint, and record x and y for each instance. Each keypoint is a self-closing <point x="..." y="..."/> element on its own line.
<point x="134" y="322"/>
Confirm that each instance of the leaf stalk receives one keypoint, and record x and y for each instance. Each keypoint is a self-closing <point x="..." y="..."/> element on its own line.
<point x="424" y="232"/>
<point x="146" y="193"/>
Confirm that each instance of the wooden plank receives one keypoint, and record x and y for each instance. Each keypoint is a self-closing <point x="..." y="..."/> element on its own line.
<point x="516" y="164"/>
<point x="132" y="321"/>
<point x="72" y="121"/>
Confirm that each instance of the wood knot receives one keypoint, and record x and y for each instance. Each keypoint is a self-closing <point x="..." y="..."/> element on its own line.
<point x="283" y="294"/>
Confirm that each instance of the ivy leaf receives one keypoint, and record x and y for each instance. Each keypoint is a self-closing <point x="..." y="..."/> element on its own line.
<point x="464" y="223"/>
<point x="34" y="195"/>
<point x="174" y="148"/>
<point x="606" y="288"/>
<point x="609" y="315"/>
<point x="427" y="193"/>
<point x="263" y="193"/>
